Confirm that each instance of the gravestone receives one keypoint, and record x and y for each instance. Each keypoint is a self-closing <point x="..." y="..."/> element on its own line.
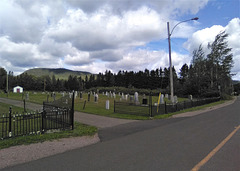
<point x="131" y="99"/>
<point x="144" y="101"/>
<point x="123" y="96"/>
<point x="81" y="95"/>
<point x="136" y="97"/>
<point x="166" y="96"/>
<point x="190" y="97"/>
<point x="114" y="95"/>
<point x="126" y="97"/>
<point x="162" y="99"/>
<point x="54" y="96"/>
<point x="89" y="96"/>
<point x="63" y="94"/>
<point x="175" y="99"/>
<point x="70" y="95"/>
<point x="107" y="104"/>
<point x="75" y="94"/>
<point x="27" y="96"/>
<point x="96" y="98"/>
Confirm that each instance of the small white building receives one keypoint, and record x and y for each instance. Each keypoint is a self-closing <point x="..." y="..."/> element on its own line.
<point x="18" y="89"/>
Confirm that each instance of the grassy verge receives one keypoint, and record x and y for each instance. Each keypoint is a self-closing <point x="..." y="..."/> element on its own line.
<point x="79" y="130"/>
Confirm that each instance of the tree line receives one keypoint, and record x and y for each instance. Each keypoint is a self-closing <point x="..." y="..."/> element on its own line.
<point x="207" y="75"/>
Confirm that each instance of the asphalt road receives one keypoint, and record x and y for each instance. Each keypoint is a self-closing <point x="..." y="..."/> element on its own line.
<point x="170" y="144"/>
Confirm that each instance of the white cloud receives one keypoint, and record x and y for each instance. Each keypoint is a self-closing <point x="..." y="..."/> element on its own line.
<point x="102" y="30"/>
<point x="90" y="35"/>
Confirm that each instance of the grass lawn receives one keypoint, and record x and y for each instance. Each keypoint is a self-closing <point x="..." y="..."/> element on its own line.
<point x="79" y="130"/>
<point x="99" y="108"/>
<point x="4" y="108"/>
<point x="91" y="107"/>
<point x="34" y="97"/>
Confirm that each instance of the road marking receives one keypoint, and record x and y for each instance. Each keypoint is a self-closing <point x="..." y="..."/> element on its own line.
<point x="215" y="150"/>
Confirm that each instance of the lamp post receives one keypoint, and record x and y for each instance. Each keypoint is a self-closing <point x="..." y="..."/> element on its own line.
<point x="169" y="47"/>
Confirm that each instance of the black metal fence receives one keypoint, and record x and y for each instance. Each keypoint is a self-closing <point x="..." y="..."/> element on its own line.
<point x="59" y="114"/>
<point x="16" y="124"/>
<point x="151" y="110"/>
<point x="55" y="115"/>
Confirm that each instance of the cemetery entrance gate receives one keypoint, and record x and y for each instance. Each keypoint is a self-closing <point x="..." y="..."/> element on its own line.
<point x="59" y="114"/>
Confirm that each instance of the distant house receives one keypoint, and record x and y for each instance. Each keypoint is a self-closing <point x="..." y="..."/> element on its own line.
<point x="18" y="89"/>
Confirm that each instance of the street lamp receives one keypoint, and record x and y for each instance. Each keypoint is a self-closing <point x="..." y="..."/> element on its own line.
<point x="170" y="58"/>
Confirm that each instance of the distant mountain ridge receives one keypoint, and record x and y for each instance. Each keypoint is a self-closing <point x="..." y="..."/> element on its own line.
<point x="60" y="73"/>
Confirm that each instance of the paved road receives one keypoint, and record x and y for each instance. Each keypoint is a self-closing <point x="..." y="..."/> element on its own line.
<point x="171" y="144"/>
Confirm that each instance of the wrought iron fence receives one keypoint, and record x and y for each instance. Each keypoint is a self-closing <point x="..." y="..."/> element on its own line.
<point x="18" y="124"/>
<point x="55" y="115"/>
<point x="151" y="110"/>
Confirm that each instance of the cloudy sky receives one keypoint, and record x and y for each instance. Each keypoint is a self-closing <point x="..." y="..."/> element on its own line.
<point x="99" y="35"/>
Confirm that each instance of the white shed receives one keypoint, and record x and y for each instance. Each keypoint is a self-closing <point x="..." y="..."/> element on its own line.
<point x="18" y="89"/>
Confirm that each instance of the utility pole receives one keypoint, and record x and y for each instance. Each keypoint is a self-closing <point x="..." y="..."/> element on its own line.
<point x="7" y="82"/>
<point x="170" y="58"/>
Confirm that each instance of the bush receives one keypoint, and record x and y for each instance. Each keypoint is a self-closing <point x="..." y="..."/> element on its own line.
<point x="210" y="93"/>
<point x="225" y="96"/>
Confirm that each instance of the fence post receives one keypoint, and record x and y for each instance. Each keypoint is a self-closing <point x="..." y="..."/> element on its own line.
<point x="114" y="105"/>
<point x="84" y="104"/>
<point x="150" y="104"/>
<point x="72" y="112"/>
<point x="24" y="105"/>
<point x="10" y="122"/>
<point x="165" y="104"/>
<point x="43" y="118"/>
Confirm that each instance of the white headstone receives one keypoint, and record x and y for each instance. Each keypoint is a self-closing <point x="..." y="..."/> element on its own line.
<point x="162" y="99"/>
<point x="190" y="97"/>
<point x="107" y="104"/>
<point x="136" y="97"/>
<point x="175" y="99"/>
<point x="126" y="97"/>
<point x="96" y="98"/>
<point x="75" y="94"/>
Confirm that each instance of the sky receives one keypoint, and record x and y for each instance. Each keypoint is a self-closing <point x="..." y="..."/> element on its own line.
<point x="100" y="35"/>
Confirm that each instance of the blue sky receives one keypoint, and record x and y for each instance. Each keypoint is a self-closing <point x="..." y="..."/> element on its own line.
<point x="101" y="35"/>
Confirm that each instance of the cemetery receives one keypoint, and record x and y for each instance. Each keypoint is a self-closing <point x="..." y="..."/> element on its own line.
<point x="58" y="108"/>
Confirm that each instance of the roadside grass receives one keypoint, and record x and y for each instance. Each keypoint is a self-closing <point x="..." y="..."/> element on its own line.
<point x="79" y="130"/>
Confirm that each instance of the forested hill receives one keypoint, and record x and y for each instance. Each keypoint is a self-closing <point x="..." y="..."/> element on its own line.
<point x="60" y="73"/>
